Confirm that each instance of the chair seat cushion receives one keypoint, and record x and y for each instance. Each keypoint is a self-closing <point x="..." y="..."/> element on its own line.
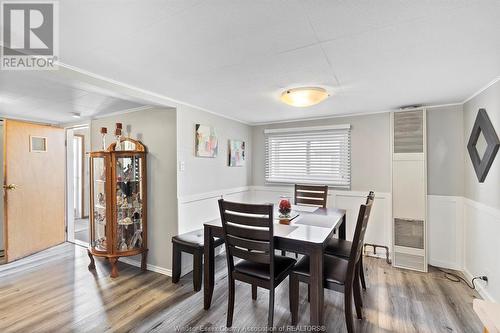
<point x="339" y="247"/>
<point x="335" y="269"/>
<point x="194" y="239"/>
<point x="282" y="265"/>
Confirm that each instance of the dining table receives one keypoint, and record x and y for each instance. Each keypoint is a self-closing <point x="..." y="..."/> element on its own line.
<point x="308" y="234"/>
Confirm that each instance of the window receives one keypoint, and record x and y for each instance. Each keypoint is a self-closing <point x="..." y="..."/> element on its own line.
<point x="38" y="144"/>
<point x="311" y="155"/>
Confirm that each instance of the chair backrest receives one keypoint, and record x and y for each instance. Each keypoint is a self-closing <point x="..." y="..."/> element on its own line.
<point x="359" y="232"/>
<point x="248" y="232"/>
<point x="311" y="195"/>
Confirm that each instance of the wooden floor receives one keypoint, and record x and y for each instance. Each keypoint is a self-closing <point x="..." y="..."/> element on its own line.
<point x="53" y="291"/>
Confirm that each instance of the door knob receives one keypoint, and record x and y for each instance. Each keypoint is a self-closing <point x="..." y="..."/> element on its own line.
<point x="10" y="187"/>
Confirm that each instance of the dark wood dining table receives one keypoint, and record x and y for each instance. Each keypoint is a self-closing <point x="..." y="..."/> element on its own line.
<point x="307" y="234"/>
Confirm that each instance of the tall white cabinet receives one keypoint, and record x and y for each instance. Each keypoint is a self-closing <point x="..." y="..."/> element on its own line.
<point x="409" y="189"/>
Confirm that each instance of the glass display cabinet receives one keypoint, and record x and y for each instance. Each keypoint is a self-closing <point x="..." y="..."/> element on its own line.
<point x="118" y="203"/>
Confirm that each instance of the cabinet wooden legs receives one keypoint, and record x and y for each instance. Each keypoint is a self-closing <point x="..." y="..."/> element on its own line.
<point x="92" y="262"/>
<point x="114" y="266"/>
<point x="114" y="262"/>
<point x="144" y="257"/>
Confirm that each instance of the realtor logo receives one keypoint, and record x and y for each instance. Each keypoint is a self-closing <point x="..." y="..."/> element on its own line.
<point x="30" y="35"/>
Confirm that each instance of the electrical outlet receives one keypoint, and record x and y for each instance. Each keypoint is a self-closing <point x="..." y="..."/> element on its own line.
<point x="486" y="275"/>
<point x="182" y="166"/>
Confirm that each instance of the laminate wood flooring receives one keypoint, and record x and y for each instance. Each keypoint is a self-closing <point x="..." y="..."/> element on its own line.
<point x="53" y="291"/>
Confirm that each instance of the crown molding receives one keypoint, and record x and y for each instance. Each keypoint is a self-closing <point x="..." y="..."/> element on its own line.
<point x="492" y="82"/>
<point x="33" y="120"/>
<point x="343" y="115"/>
<point x="117" y="113"/>
<point x="162" y="100"/>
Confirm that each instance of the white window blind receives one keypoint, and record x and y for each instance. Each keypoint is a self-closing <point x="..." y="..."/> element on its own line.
<point x="318" y="155"/>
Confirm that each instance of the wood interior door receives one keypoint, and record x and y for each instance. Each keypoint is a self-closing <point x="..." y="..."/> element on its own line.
<point x="34" y="171"/>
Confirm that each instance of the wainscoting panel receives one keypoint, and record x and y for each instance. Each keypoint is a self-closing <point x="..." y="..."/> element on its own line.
<point x="445" y="231"/>
<point x="379" y="230"/>
<point x="482" y="236"/>
<point x="195" y="210"/>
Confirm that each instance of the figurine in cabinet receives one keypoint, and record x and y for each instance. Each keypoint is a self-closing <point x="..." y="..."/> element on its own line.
<point x="101" y="200"/>
<point x="119" y="221"/>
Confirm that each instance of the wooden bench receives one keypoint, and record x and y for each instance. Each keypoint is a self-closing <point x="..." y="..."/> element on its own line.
<point x="190" y="242"/>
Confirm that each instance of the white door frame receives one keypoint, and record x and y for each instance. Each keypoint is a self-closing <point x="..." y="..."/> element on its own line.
<point x="70" y="218"/>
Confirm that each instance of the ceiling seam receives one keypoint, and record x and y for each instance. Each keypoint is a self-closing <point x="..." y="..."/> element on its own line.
<point x="166" y="99"/>
<point x="321" y="46"/>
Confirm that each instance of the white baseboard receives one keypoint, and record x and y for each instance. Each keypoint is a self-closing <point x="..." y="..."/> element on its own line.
<point x="445" y="264"/>
<point x="149" y="267"/>
<point x="479" y="287"/>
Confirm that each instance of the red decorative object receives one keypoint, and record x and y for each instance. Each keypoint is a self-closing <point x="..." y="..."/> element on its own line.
<point x="285" y="207"/>
<point x="119" y="125"/>
<point x="104" y="130"/>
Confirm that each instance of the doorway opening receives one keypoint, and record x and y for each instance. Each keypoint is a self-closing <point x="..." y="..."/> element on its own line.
<point x="77" y="176"/>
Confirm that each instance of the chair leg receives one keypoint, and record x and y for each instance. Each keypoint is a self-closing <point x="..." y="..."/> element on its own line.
<point x="230" y="303"/>
<point x="348" y="308"/>
<point x="254" y="292"/>
<point x="283" y="253"/>
<point x="271" y="309"/>
<point x="176" y="263"/>
<point x="358" y="302"/>
<point x="197" y="270"/>
<point x="294" y="298"/>
<point x="362" y="272"/>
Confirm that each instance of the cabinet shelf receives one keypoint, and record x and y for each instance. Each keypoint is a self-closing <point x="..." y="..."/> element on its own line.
<point x="107" y="214"/>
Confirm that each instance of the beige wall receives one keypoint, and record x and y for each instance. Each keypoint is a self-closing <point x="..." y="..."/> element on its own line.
<point x="370" y="150"/>
<point x="156" y="128"/>
<point x="445" y="151"/>
<point x="482" y="210"/>
<point x="201" y="174"/>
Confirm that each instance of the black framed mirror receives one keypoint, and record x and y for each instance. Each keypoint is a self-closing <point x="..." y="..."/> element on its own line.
<point x="483" y="141"/>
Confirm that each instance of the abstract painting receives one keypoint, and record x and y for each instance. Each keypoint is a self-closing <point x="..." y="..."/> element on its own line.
<point x="236" y="153"/>
<point x="206" y="141"/>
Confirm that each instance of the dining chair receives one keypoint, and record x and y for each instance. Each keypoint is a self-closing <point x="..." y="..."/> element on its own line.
<point x="339" y="274"/>
<point x="342" y="248"/>
<point x="248" y="234"/>
<point x="310" y="195"/>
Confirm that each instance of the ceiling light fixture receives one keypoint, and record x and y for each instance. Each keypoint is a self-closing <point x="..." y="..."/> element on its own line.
<point x="76" y="115"/>
<point x="304" y="96"/>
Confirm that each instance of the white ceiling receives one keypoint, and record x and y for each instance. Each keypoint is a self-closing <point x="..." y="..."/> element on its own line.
<point x="234" y="57"/>
<point x="45" y="96"/>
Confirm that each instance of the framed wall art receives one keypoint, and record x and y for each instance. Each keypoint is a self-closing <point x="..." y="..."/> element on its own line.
<point x="236" y="153"/>
<point x="206" y="144"/>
